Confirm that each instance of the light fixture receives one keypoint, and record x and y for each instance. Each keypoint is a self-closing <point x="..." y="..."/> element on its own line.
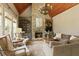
<point x="18" y="33"/>
<point x="45" y="9"/>
<point x="19" y="30"/>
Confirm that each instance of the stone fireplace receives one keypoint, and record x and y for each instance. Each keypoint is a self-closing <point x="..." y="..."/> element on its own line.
<point x="38" y="34"/>
<point x="39" y="22"/>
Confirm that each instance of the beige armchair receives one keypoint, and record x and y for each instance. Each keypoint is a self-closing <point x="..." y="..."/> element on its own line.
<point x="9" y="50"/>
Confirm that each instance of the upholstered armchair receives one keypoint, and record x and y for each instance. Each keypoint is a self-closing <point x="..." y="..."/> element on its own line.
<point x="7" y="46"/>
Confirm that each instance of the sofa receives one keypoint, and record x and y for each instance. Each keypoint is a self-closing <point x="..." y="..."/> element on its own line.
<point x="64" y="49"/>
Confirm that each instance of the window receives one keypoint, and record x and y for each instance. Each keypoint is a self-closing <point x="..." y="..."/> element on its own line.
<point x="0" y="20"/>
<point x="8" y="21"/>
<point x="14" y="28"/>
<point x="8" y="24"/>
<point x="0" y="25"/>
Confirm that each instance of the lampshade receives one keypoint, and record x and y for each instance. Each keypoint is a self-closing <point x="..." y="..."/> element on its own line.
<point x="19" y="30"/>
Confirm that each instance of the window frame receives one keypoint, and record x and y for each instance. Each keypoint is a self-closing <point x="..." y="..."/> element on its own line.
<point x="3" y="16"/>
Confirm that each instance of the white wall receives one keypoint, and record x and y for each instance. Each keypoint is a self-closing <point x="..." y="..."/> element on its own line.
<point x="67" y="22"/>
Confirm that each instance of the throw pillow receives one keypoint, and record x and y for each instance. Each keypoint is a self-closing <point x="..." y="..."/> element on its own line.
<point x="58" y="36"/>
<point x="72" y="37"/>
<point x="65" y="36"/>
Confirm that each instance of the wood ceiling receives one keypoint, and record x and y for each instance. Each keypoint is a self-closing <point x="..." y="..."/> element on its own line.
<point x="60" y="7"/>
<point x="57" y="7"/>
<point x="21" y="6"/>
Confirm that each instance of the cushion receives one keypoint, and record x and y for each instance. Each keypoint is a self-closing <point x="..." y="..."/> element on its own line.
<point x="65" y="36"/>
<point x="75" y="40"/>
<point x="66" y="41"/>
<point x="72" y="37"/>
<point x="58" y="36"/>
